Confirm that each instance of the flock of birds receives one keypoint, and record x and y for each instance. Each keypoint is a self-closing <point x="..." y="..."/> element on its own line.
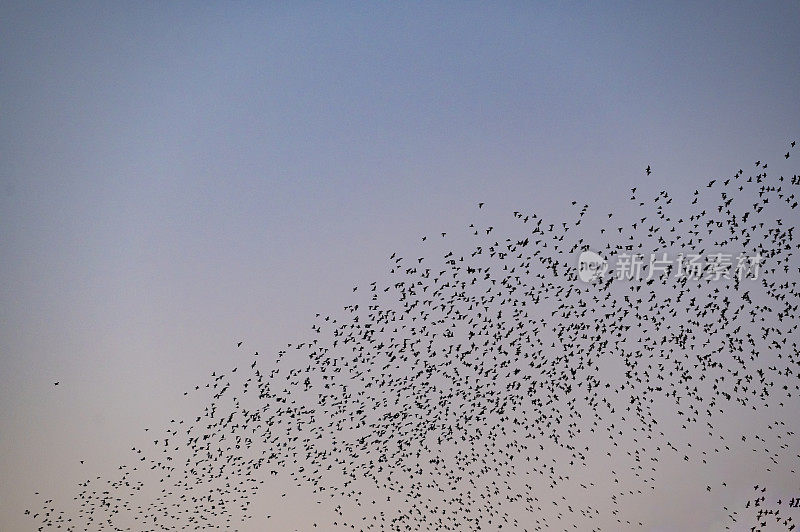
<point x="491" y="389"/>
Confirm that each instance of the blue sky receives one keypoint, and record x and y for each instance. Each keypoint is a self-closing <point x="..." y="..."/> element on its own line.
<point x="174" y="177"/>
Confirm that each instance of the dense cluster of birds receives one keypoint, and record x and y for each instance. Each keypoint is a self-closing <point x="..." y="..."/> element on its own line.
<point x="493" y="389"/>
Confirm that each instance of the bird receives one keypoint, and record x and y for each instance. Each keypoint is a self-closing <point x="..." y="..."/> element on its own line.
<point x="647" y="170"/>
<point x="487" y="387"/>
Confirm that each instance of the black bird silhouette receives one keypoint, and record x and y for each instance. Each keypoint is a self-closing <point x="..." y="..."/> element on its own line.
<point x="490" y="388"/>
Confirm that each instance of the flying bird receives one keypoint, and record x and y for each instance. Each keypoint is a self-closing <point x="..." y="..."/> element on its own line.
<point x="491" y="387"/>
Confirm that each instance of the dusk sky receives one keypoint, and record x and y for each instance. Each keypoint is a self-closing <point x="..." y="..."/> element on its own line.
<point x="179" y="177"/>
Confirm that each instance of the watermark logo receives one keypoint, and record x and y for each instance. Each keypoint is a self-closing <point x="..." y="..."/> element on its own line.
<point x="591" y="266"/>
<point x="711" y="267"/>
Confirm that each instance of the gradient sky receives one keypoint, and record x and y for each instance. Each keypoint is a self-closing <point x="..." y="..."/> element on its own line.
<point x="178" y="177"/>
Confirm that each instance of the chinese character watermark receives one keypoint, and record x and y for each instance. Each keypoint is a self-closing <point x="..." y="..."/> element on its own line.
<point x="630" y="266"/>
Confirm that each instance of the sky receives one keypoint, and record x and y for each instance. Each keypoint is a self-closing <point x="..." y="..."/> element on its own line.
<point x="175" y="178"/>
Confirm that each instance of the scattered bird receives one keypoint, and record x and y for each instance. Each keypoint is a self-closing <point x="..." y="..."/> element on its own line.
<point x="488" y="387"/>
